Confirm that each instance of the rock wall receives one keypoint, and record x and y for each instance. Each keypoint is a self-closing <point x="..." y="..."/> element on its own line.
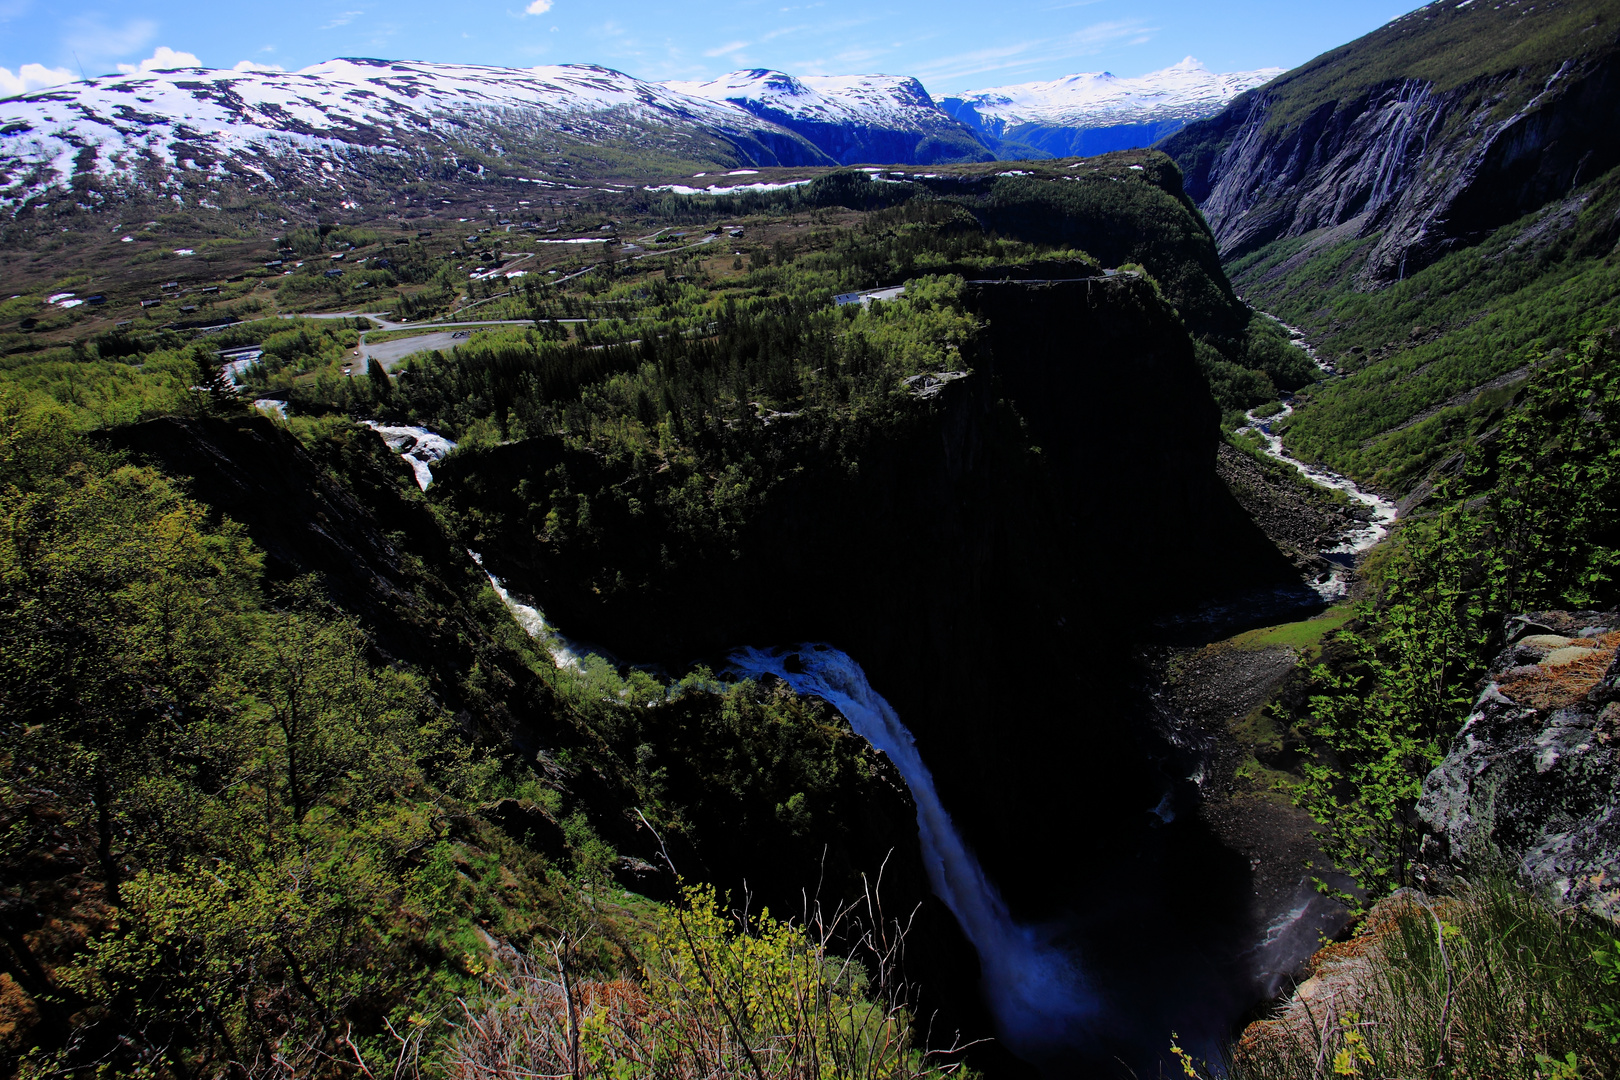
<point x="1425" y="170"/>
<point x="990" y="560"/>
<point x="1531" y="785"/>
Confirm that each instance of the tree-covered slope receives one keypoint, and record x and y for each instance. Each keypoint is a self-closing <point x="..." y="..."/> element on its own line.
<point x="1431" y="363"/>
<point x="675" y="441"/>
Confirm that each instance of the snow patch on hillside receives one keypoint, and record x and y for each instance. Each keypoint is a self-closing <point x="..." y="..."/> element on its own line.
<point x="202" y="119"/>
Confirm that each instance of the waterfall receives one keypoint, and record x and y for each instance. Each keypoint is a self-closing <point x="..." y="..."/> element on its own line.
<point x="417" y="445"/>
<point x="1039" y="998"/>
<point x="421" y="448"/>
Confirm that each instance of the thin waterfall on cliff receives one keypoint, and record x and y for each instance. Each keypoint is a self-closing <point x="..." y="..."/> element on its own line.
<point x="1038" y="997"/>
<point x="421" y="448"/>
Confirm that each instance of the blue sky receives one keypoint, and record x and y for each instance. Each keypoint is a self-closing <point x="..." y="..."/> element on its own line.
<point x="952" y="45"/>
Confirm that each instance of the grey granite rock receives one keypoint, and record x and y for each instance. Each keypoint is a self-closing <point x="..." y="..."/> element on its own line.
<point x="1531" y="784"/>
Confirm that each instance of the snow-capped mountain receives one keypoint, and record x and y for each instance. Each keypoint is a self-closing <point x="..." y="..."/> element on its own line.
<point x="1091" y="112"/>
<point x="854" y="118"/>
<point x="336" y="123"/>
<point x="359" y="130"/>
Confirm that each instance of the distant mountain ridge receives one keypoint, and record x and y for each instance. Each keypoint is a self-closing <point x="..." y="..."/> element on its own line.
<point x="1096" y="112"/>
<point x="854" y="118"/>
<point x="355" y="129"/>
<point x="350" y="125"/>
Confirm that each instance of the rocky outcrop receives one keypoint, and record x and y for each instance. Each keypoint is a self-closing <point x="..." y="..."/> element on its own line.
<point x="1302" y="519"/>
<point x="1531" y="784"/>
<point x="1347" y="148"/>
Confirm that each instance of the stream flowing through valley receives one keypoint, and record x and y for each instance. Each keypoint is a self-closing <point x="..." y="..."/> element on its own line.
<point x="1383" y="511"/>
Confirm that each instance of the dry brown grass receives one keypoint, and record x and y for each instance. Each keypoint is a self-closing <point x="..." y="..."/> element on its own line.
<point x="1548" y="687"/>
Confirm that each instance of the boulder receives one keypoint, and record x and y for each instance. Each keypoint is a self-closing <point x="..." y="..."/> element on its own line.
<point x="1531" y="784"/>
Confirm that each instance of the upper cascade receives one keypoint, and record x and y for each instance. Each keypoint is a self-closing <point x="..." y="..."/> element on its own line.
<point x="1184" y="91"/>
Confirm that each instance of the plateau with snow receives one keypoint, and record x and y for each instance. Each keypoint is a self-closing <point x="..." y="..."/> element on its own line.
<point x="351" y="130"/>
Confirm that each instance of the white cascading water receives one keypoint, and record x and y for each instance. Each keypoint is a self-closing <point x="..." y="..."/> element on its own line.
<point x="1038" y="997"/>
<point x="417" y="445"/>
<point x="1383" y="511"/>
<point x="421" y="448"/>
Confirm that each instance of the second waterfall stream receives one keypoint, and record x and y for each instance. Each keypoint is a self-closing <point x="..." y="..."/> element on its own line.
<point x="1035" y="990"/>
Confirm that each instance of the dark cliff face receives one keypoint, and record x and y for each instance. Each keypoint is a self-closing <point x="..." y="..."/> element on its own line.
<point x="1432" y="132"/>
<point x="989" y="563"/>
<point x="1036" y="468"/>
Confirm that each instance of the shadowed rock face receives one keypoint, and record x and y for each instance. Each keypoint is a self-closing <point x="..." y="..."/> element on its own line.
<point x="991" y="591"/>
<point x="1532" y="782"/>
<point x="1430" y="170"/>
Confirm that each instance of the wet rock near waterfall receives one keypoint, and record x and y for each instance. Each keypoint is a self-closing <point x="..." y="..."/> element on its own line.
<point x="930" y="384"/>
<point x="1531" y="784"/>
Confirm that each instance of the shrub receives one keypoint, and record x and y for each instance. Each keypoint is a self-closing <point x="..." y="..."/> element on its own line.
<point x="1491" y="984"/>
<point x="722" y="996"/>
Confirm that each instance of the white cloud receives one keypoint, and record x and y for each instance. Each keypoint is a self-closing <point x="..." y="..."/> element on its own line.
<point x="253" y="65"/>
<point x="1043" y="52"/>
<point x="97" y="45"/>
<point x="31" y="77"/>
<point x="344" y="19"/>
<point x="164" y="59"/>
<point x="727" y="49"/>
<point x="538" y="7"/>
